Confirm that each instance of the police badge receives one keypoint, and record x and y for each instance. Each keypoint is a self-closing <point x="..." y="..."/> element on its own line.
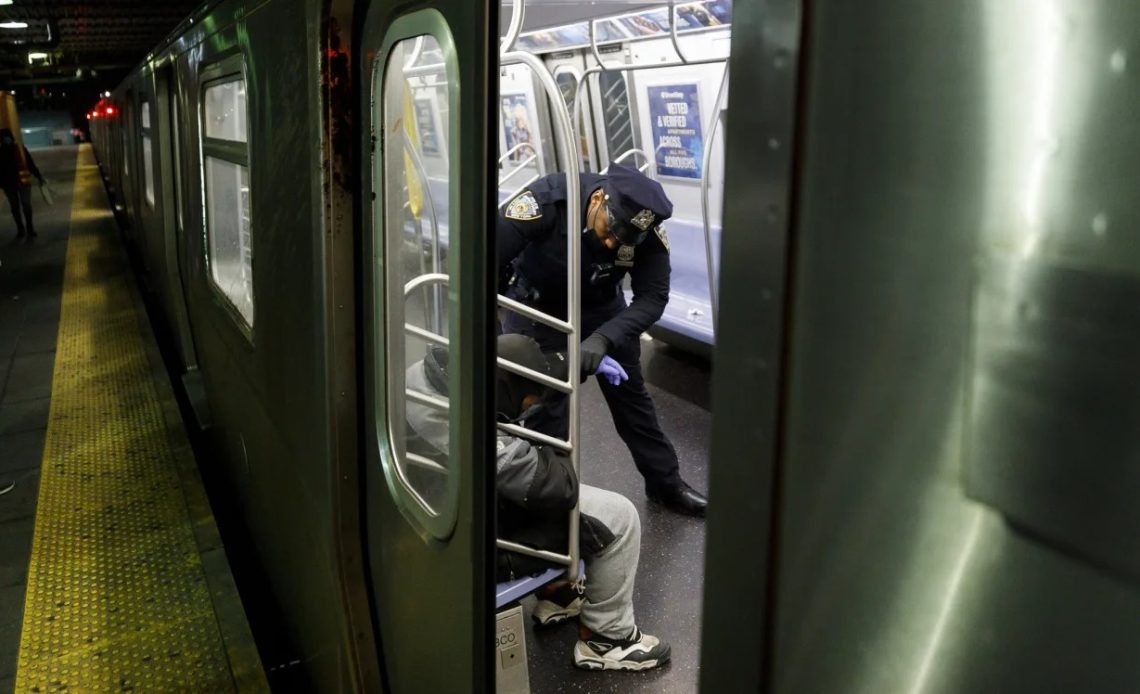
<point x="625" y="256"/>
<point x="642" y="220"/>
<point x="663" y="236"/>
<point x="524" y="207"/>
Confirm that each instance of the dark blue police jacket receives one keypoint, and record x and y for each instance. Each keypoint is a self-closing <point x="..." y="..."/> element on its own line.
<point x="531" y="237"/>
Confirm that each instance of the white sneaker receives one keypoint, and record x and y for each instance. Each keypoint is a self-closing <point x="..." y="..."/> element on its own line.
<point x="638" y="652"/>
<point x="564" y="604"/>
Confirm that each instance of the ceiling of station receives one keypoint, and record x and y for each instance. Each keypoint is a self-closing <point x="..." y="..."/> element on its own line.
<point x="81" y="38"/>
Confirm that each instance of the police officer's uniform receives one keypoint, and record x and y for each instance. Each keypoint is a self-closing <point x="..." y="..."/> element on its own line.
<point x="531" y="236"/>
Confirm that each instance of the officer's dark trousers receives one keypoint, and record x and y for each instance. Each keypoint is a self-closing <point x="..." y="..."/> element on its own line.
<point x="630" y="405"/>
<point x="20" y="200"/>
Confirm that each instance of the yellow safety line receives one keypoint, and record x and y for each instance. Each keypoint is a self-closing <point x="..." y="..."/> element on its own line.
<point x="117" y="599"/>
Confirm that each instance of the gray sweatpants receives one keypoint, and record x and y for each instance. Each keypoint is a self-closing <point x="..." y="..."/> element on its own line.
<point x="608" y="609"/>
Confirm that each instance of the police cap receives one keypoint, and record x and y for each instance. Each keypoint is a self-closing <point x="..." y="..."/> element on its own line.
<point x="635" y="202"/>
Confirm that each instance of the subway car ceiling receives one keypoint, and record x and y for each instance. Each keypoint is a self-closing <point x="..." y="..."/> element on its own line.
<point x="547" y="14"/>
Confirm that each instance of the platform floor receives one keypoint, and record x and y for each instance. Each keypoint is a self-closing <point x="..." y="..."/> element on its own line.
<point x="127" y="586"/>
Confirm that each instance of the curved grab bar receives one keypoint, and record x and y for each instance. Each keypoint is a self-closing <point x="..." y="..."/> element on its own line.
<point x="673" y="32"/>
<point x="633" y="151"/>
<point x="519" y="147"/>
<point x="515" y="171"/>
<point x="417" y="49"/>
<point x="518" y="12"/>
<point x="718" y="113"/>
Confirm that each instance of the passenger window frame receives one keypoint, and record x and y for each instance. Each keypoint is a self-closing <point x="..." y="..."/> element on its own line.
<point x="147" y="137"/>
<point x="229" y="68"/>
<point x="433" y="525"/>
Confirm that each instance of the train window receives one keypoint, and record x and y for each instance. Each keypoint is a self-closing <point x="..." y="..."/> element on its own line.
<point x="417" y="176"/>
<point x="147" y="153"/>
<point x="225" y="164"/>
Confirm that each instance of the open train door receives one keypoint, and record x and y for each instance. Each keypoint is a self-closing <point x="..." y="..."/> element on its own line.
<point x="426" y="82"/>
<point x="746" y="385"/>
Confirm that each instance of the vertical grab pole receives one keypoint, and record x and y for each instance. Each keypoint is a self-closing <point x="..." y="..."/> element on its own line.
<point x="718" y="113"/>
<point x="564" y="130"/>
<point x="518" y="10"/>
<point x="673" y="33"/>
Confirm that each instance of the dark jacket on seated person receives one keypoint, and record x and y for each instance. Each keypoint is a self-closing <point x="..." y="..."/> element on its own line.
<point x="536" y="484"/>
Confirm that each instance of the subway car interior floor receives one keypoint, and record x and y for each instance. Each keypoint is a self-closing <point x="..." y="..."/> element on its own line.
<point x="112" y="572"/>
<point x="667" y="597"/>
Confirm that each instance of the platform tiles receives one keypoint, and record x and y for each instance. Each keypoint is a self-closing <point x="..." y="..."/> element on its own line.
<point x="118" y="596"/>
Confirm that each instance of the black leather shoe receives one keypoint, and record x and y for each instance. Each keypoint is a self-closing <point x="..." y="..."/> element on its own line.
<point x="679" y="497"/>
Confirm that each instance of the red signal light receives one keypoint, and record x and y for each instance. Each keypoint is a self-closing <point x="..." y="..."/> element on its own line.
<point x="110" y="110"/>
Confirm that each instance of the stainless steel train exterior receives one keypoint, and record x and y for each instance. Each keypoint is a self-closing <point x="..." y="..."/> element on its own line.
<point x="904" y="498"/>
<point x="256" y="100"/>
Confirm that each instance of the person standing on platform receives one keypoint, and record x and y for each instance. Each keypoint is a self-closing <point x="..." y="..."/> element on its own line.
<point x="622" y="212"/>
<point x="16" y="170"/>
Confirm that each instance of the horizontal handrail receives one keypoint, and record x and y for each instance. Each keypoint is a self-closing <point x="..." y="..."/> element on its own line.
<point x="564" y="559"/>
<point x="632" y="151"/>
<point x="517" y="148"/>
<point x="433" y="402"/>
<point x="423" y="462"/>
<point x="521" y="188"/>
<point x="548" y="381"/>
<point x="521" y="166"/>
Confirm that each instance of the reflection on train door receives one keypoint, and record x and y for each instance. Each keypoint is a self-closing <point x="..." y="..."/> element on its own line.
<point x="427" y="516"/>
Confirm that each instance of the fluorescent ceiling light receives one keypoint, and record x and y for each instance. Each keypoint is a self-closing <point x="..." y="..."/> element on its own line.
<point x="13" y="25"/>
<point x="37" y="56"/>
<point x="5" y="2"/>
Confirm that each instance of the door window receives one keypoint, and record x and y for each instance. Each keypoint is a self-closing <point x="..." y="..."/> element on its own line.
<point x="412" y="222"/>
<point x="147" y="152"/>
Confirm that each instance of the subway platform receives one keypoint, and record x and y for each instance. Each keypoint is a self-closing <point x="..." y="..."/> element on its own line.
<point x="112" y="573"/>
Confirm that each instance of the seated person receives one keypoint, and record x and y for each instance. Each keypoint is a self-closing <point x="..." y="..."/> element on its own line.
<point x="536" y="489"/>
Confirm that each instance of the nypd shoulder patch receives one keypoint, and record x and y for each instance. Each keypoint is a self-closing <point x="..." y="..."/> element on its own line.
<point x="523" y="207"/>
<point x="662" y="235"/>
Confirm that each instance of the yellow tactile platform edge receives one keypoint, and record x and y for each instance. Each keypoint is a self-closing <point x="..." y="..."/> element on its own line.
<point x="117" y="597"/>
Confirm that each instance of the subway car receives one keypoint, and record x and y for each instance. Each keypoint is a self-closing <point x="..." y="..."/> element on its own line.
<point x="922" y="457"/>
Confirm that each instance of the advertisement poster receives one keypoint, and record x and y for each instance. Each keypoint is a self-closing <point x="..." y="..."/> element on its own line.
<point x="674" y="113"/>
<point x="516" y="124"/>
<point x="425" y="124"/>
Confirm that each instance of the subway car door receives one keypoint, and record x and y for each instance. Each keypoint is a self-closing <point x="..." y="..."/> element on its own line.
<point x="427" y="172"/>
<point x="568" y="69"/>
<point x="170" y="179"/>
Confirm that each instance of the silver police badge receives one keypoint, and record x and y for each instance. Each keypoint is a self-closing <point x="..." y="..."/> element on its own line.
<point x="663" y="236"/>
<point x="524" y="207"/>
<point x="642" y="220"/>
<point x="625" y="256"/>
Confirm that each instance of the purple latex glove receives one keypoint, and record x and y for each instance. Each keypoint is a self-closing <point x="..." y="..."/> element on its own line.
<point x="612" y="371"/>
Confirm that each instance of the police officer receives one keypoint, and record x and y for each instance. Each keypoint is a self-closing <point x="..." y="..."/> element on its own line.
<point x="622" y="212"/>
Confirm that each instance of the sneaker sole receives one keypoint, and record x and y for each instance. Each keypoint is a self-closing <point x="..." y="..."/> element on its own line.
<point x="586" y="662"/>
<point x="603" y="664"/>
